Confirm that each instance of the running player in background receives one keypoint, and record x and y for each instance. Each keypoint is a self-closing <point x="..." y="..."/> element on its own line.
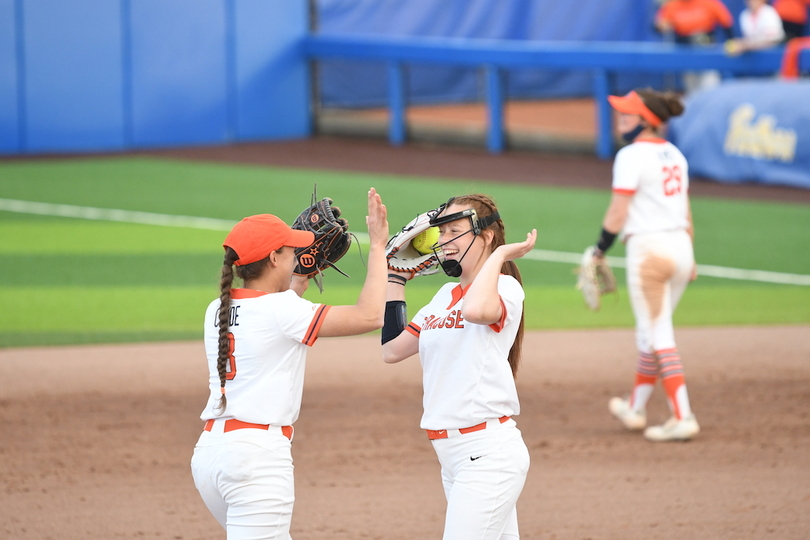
<point x="650" y="209"/>
<point x="256" y="348"/>
<point x="469" y="341"/>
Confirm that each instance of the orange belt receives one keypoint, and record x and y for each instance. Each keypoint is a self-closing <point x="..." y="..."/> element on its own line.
<point x="445" y="433"/>
<point x="233" y="424"/>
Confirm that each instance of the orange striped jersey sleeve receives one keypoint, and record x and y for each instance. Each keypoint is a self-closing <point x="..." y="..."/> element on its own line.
<point x="315" y="326"/>
<point x="413" y="329"/>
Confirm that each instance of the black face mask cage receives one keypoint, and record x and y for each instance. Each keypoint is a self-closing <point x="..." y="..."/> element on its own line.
<point x="477" y="224"/>
<point x="453" y="268"/>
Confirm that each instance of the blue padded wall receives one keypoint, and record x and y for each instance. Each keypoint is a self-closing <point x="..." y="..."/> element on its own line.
<point x="88" y="75"/>
<point x="179" y="73"/>
<point x="9" y="104"/>
<point x="359" y="84"/>
<point x="72" y="66"/>
<point x="269" y="70"/>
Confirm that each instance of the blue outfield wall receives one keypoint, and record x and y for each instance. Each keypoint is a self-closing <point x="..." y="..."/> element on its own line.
<point x="72" y="73"/>
<point x="272" y="79"/>
<point x="94" y="75"/>
<point x="179" y="85"/>
<point x="357" y="84"/>
<point x="9" y="104"/>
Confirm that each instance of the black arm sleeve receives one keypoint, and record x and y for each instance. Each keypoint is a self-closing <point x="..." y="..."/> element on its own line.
<point x="606" y="240"/>
<point x="394" y="321"/>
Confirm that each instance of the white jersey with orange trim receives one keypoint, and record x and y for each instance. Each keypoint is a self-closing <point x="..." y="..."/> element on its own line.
<point x="656" y="174"/>
<point x="466" y="374"/>
<point x="269" y="334"/>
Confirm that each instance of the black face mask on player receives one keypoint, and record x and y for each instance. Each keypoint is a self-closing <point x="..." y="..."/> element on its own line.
<point x="453" y="267"/>
<point x="631" y="135"/>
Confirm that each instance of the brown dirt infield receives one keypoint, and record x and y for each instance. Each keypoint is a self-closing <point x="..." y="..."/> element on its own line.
<point x="97" y="439"/>
<point x="97" y="442"/>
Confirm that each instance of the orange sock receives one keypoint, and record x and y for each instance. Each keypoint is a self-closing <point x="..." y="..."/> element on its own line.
<point x="646" y="373"/>
<point x="669" y="362"/>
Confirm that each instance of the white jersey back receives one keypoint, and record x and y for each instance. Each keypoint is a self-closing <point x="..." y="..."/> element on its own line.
<point x="269" y="337"/>
<point x="656" y="174"/>
<point x="466" y="375"/>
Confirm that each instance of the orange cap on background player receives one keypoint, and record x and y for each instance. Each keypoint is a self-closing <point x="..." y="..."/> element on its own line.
<point x="255" y="237"/>
<point x="633" y="104"/>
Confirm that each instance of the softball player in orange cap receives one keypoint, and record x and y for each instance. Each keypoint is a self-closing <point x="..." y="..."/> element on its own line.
<point x="256" y="340"/>
<point x="468" y="339"/>
<point x="650" y="209"/>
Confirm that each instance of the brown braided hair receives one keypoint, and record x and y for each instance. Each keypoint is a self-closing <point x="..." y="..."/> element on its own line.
<point x="485" y="206"/>
<point x="246" y="272"/>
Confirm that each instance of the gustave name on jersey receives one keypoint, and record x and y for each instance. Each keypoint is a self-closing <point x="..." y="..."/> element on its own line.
<point x="454" y="319"/>
<point x="233" y="316"/>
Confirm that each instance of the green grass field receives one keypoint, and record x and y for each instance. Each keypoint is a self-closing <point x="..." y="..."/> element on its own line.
<point x="68" y="280"/>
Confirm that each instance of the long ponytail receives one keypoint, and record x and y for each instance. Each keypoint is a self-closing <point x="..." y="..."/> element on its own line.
<point x="225" y="343"/>
<point x="485" y="206"/>
<point x="224" y="350"/>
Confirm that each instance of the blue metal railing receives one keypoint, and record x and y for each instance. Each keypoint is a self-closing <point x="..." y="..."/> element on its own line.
<point x="603" y="59"/>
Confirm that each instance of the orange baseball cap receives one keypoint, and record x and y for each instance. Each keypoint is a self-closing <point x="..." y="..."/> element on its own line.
<point x="633" y="104"/>
<point x="255" y="237"/>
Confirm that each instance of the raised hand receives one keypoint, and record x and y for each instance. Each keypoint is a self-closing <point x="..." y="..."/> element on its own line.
<point x="377" y="219"/>
<point x="517" y="250"/>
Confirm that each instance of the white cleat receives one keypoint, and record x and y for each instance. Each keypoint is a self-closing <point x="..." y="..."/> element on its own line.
<point x="631" y="418"/>
<point x="674" y="430"/>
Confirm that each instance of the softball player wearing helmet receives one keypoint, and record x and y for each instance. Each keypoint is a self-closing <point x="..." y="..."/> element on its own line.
<point x="256" y="348"/>
<point x="468" y="338"/>
<point x="650" y="208"/>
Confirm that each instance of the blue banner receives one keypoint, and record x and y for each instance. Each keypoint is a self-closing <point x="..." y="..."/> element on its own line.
<point x="748" y="131"/>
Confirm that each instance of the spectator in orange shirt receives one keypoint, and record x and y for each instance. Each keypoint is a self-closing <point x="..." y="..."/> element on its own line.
<point x="794" y="16"/>
<point x="693" y="21"/>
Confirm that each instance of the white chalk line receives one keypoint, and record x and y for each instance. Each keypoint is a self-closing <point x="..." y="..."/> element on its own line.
<point x="166" y="220"/>
<point x="111" y="214"/>
<point x="703" y="269"/>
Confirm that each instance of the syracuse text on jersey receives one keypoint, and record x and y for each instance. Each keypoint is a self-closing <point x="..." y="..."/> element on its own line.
<point x="454" y="319"/>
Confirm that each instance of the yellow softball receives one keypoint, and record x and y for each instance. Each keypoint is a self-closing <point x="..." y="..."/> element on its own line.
<point x="425" y="240"/>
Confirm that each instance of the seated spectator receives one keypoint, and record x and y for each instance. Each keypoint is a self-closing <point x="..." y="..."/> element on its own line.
<point x="761" y="28"/>
<point x="794" y="16"/>
<point x="693" y="21"/>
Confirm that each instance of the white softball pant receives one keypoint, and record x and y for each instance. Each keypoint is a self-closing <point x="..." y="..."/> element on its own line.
<point x="245" y="478"/>
<point x="659" y="267"/>
<point x="483" y="474"/>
